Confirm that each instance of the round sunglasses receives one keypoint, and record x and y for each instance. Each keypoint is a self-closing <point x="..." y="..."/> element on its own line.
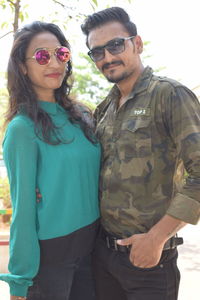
<point x="43" y="55"/>
<point x="114" y="47"/>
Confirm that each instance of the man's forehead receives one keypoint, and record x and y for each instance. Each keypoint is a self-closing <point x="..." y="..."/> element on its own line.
<point x="102" y="34"/>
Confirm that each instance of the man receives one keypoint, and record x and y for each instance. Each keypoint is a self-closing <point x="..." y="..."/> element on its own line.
<point x="148" y="127"/>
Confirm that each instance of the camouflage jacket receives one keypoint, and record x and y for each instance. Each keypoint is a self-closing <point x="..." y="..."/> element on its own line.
<point x="143" y="143"/>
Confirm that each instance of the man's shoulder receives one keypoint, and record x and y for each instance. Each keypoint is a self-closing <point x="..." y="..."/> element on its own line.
<point x="164" y="81"/>
<point x="167" y="86"/>
<point x="152" y="80"/>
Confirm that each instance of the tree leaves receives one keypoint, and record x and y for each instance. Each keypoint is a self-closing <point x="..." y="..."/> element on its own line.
<point x="95" y="2"/>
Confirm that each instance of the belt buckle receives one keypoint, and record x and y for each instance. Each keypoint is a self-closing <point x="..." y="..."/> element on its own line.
<point x="115" y="243"/>
<point x="107" y="241"/>
<point x="169" y="244"/>
<point x="172" y="243"/>
<point x="112" y="243"/>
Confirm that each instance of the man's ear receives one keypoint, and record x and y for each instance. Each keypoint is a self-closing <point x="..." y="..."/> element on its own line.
<point x="23" y="68"/>
<point x="139" y="44"/>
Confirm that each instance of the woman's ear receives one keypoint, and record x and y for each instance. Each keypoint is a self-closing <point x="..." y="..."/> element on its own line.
<point x="23" y="68"/>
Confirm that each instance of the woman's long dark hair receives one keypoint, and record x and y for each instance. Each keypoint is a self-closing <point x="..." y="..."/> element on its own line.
<point x="22" y="96"/>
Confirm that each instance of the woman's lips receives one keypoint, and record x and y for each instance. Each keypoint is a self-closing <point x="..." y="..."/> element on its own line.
<point x="53" y="75"/>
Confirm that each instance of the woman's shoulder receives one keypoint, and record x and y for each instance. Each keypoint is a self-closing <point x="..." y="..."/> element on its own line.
<point x="21" y="121"/>
<point x="20" y="124"/>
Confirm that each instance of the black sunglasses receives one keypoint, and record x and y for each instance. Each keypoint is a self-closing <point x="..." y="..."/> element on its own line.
<point x="114" y="47"/>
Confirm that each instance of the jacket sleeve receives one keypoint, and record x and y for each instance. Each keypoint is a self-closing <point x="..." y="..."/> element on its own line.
<point x="20" y="155"/>
<point x="183" y="119"/>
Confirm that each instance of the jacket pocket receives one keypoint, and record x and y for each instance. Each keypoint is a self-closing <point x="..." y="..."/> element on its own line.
<point x="136" y="137"/>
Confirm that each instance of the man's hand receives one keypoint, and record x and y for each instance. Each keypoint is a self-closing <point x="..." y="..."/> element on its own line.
<point x="145" y="250"/>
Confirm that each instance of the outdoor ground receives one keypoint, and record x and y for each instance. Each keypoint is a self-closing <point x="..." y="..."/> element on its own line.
<point x="189" y="265"/>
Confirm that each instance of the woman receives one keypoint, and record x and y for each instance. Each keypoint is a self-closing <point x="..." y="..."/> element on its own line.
<point x="49" y="145"/>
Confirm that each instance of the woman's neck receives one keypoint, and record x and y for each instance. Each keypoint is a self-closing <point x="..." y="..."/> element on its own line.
<point x="47" y="96"/>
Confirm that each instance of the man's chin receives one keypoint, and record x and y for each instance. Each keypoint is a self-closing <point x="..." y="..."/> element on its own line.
<point x="115" y="79"/>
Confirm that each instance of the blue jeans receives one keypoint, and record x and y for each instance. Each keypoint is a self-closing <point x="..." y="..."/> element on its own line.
<point x="64" y="281"/>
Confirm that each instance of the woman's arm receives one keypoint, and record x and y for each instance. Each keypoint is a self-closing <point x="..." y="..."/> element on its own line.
<point x="20" y="155"/>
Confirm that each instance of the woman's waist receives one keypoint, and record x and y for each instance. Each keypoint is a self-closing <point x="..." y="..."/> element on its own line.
<point x="69" y="246"/>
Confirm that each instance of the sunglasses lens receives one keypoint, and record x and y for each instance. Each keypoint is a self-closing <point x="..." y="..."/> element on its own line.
<point x="63" y="54"/>
<point x="97" y="54"/>
<point x="42" y="57"/>
<point x="116" y="46"/>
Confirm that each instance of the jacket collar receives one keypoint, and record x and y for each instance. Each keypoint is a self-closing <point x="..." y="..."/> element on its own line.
<point x="140" y="86"/>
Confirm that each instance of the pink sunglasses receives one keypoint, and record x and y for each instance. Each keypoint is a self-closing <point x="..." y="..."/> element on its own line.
<point x="43" y="55"/>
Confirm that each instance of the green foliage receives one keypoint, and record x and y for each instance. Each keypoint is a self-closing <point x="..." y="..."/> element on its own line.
<point x="3" y="25"/>
<point x="95" y="2"/>
<point x="89" y="84"/>
<point x="5" y="22"/>
<point x="5" y="192"/>
<point x="23" y="16"/>
<point x="89" y="104"/>
<point x="3" y="3"/>
<point x="18" y="12"/>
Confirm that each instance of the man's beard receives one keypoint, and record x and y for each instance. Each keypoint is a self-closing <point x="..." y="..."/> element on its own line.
<point x="121" y="77"/>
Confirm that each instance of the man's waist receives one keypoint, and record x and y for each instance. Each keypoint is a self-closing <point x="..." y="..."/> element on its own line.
<point x="111" y="242"/>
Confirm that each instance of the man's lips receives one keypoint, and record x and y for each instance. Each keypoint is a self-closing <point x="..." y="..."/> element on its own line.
<point x="53" y="75"/>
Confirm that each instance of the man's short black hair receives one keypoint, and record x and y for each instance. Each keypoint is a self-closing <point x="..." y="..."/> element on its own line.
<point x="112" y="14"/>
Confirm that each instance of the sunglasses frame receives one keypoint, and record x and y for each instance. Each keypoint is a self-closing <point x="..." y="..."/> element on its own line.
<point x="50" y="52"/>
<point x="106" y="47"/>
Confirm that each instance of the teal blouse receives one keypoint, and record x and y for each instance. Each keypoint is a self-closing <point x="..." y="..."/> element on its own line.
<point x="67" y="177"/>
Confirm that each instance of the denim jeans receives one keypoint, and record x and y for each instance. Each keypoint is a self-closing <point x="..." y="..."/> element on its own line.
<point x="116" y="278"/>
<point x="64" y="281"/>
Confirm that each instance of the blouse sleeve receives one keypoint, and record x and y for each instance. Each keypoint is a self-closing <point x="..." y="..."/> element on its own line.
<point x="20" y="156"/>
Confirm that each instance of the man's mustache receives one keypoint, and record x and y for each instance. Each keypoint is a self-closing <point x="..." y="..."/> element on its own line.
<point x="116" y="62"/>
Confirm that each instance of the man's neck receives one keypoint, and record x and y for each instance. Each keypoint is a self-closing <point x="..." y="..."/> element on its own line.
<point x="126" y="86"/>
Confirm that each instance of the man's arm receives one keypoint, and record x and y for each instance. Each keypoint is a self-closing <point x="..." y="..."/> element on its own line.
<point x="182" y="117"/>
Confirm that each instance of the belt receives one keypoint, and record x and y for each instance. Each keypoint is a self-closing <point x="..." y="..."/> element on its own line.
<point x="111" y="242"/>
